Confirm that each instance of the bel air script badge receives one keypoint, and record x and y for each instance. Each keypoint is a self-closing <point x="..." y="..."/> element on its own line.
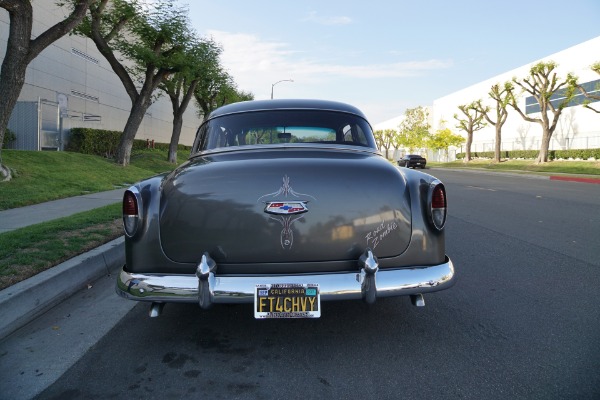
<point x="286" y="207"/>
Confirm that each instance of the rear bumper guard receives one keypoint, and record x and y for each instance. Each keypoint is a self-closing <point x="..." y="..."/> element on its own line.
<point x="206" y="287"/>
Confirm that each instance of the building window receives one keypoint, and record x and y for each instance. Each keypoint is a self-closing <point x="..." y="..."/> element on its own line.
<point x="591" y="87"/>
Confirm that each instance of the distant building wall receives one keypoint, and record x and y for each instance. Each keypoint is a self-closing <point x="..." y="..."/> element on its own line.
<point x="72" y="72"/>
<point x="577" y="127"/>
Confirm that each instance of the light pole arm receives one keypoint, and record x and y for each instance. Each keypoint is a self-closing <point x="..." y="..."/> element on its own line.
<point x="273" y="85"/>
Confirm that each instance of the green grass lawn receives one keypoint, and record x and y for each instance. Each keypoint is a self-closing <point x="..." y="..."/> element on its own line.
<point x="527" y="166"/>
<point x="41" y="176"/>
<point x="27" y="251"/>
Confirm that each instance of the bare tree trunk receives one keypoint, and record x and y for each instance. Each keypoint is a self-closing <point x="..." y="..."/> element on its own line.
<point x="178" y="110"/>
<point x="15" y="63"/>
<point x="131" y="127"/>
<point x="548" y="127"/>
<point x="140" y="104"/>
<point x="177" y="124"/>
<point x="543" y="156"/>
<point x="498" y="142"/>
<point x="468" y="145"/>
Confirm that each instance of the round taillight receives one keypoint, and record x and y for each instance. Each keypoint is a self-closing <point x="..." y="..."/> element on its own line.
<point x="438" y="206"/>
<point x="438" y="199"/>
<point x="130" y="204"/>
<point x="130" y="213"/>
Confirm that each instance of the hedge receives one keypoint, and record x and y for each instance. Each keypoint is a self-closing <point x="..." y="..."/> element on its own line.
<point x="9" y="137"/>
<point x="582" y="154"/>
<point x="105" y="143"/>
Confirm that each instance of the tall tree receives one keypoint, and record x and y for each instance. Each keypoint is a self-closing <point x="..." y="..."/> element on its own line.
<point x="472" y="122"/>
<point x="151" y="38"/>
<point x="378" y="136"/>
<point x="443" y="139"/>
<point x="215" y="89"/>
<point x="552" y="94"/>
<point x="592" y="96"/>
<point x="501" y="95"/>
<point x="414" y="129"/>
<point x="202" y="57"/>
<point x="385" y="139"/>
<point x="21" y="49"/>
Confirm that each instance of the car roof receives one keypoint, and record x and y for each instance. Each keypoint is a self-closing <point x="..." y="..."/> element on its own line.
<point x="285" y="104"/>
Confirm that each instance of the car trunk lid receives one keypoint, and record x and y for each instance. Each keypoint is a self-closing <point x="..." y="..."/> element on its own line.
<point x="284" y="206"/>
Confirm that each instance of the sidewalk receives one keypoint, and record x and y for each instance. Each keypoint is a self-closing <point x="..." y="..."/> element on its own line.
<point x="26" y="300"/>
<point x="24" y="216"/>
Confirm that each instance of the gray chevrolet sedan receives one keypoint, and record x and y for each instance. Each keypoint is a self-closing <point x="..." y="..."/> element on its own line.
<point x="284" y="204"/>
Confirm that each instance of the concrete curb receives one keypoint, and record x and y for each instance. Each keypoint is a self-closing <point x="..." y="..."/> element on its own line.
<point x="24" y="301"/>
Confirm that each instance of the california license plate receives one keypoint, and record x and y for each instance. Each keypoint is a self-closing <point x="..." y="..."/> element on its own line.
<point x="287" y="300"/>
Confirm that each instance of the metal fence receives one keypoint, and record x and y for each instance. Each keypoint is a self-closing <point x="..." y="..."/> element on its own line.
<point x="590" y="142"/>
<point x="556" y="143"/>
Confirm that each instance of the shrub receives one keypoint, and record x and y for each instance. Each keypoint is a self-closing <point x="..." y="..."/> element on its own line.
<point x="582" y="154"/>
<point x="9" y="136"/>
<point x="105" y="143"/>
<point x="94" y="141"/>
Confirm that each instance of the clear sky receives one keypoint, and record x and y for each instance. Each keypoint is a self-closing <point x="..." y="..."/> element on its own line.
<point x="386" y="56"/>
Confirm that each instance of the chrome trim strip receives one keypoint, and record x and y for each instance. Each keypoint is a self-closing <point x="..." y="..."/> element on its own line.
<point x="287" y="146"/>
<point x="240" y="289"/>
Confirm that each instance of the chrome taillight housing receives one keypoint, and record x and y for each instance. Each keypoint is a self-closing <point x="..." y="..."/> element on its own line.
<point x="437" y="205"/>
<point x="131" y="212"/>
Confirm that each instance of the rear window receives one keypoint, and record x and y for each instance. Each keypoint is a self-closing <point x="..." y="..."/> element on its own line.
<point x="284" y="127"/>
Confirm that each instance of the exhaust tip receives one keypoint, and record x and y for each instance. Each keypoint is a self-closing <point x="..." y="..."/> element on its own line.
<point x="417" y="300"/>
<point x="156" y="309"/>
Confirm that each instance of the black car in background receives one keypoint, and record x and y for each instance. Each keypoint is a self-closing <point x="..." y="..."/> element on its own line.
<point x="412" y="161"/>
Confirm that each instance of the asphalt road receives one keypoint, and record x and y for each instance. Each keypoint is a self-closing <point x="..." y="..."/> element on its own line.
<point x="522" y="322"/>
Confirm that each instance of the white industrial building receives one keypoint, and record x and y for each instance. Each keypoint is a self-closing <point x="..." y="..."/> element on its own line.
<point x="70" y="84"/>
<point x="578" y="127"/>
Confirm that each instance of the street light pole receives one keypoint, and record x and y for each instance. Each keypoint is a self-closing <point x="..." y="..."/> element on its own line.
<point x="273" y="85"/>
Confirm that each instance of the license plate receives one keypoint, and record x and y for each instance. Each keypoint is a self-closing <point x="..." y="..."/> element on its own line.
<point x="287" y="300"/>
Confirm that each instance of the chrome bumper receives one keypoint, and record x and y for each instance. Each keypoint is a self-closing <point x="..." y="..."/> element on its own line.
<point x="206" y="287"/>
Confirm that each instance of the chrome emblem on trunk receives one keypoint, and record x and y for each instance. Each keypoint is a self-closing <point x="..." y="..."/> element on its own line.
<point x="286" y="207"/>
